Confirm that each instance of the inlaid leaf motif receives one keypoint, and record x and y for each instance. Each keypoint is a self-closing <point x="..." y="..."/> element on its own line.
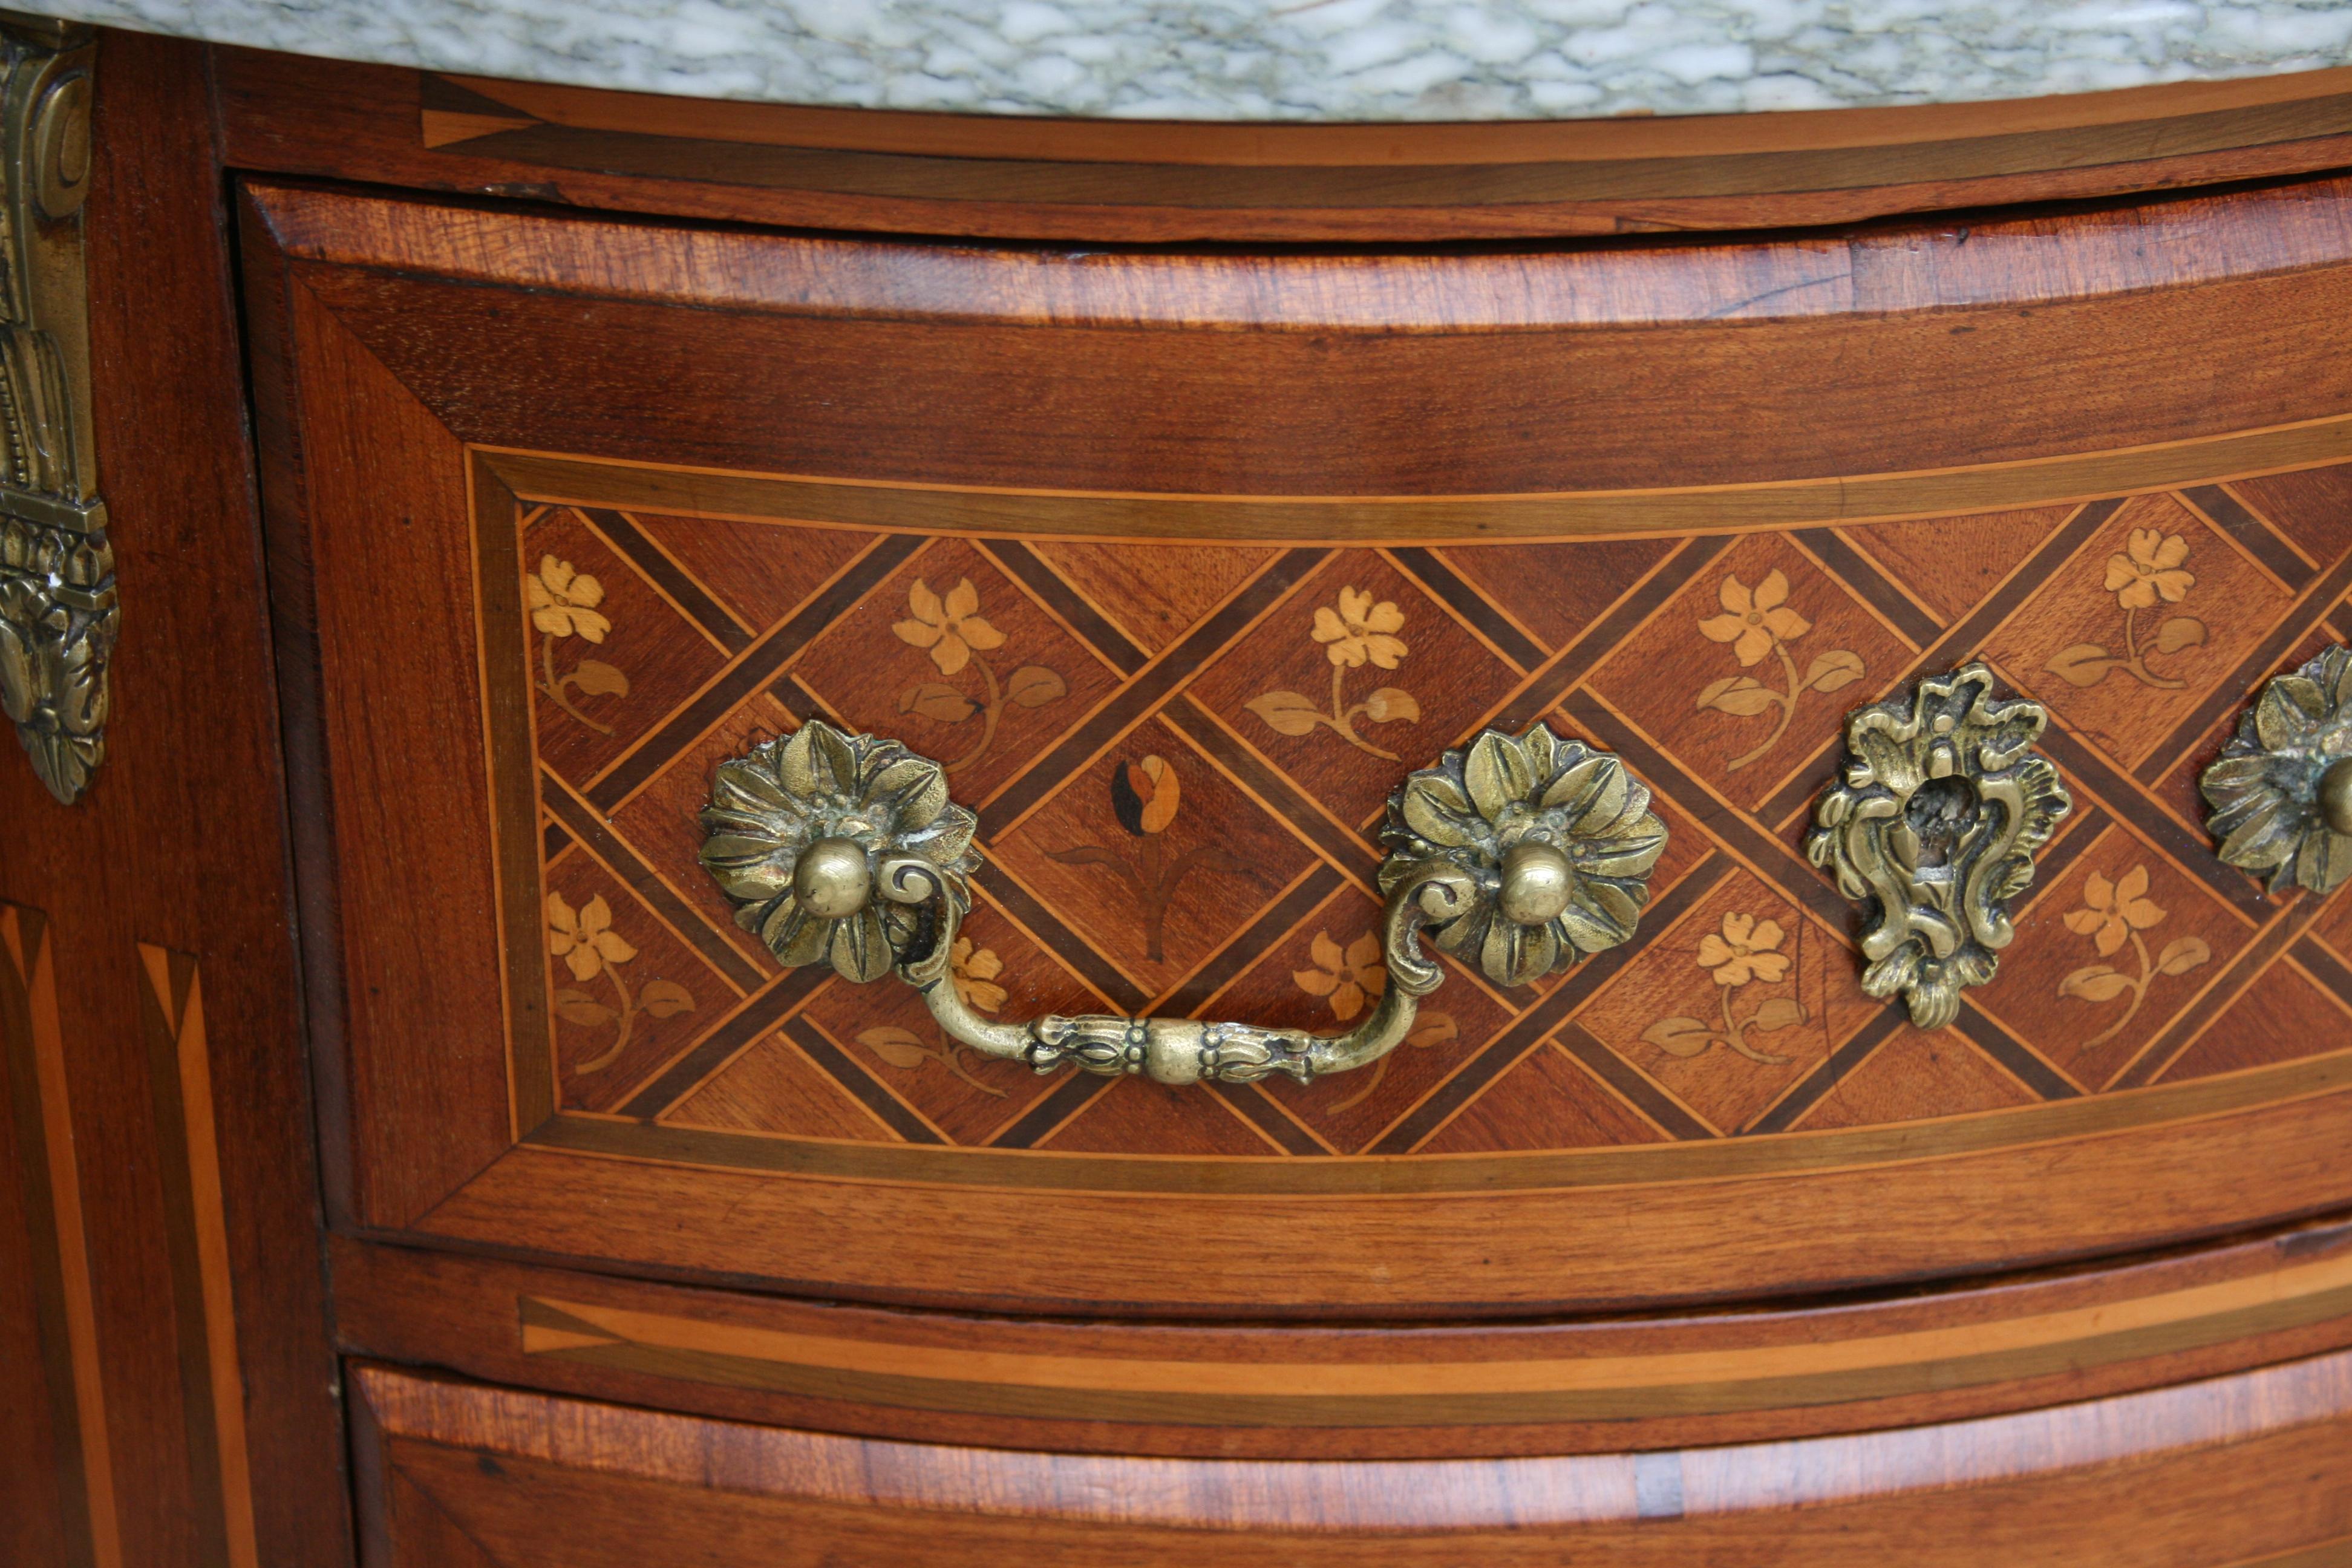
<point x="1680" y="1037"/>
<point x="1433" y="1029"/>
<point x="594" y="678"/>
<point x="895" y="1045"/>
<point x="1285" y="712"/>
<point x="2095" y="983"/>
<point x="1776" y="1013"/>
<point x="578" y="1008"/>
<point x="1391" y="704"/>
<point x="2081" y="664"/>
<point x="2179" y="632"/>
<point x="1839" y="667"/>
<point x="2183" y="954"/>
<point x="941" y="703"/>
<point x="1033" y="686"/>
<point x="664" y="999"/>
<point x="1741" y="696"/>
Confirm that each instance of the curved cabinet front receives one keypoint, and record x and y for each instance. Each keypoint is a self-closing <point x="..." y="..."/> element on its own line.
<point x="1179" y="565"/>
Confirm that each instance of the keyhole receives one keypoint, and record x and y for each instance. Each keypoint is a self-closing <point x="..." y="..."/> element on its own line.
<point x="1940" y="814"/>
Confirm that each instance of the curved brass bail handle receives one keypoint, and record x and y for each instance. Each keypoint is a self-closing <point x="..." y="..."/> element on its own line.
<point x="1188" y="1050"/>
<point x="1521" y="854"/>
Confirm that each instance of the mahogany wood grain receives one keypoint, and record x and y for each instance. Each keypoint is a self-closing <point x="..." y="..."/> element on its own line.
<point x="1902" y="378"/>
<point x="180" y="843"/>
<point x="2230" y="1471"/>
<point x="1301" y="1391"/>
<point x="394" y="482"/>
<point x="1123" y="181"/>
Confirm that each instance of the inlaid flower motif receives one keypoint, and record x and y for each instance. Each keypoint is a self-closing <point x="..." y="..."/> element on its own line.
<point x="959" y="637"/>
<point x="1360" y="630"/>
<point x="1345" y="977"/>
<point x="1547" y="796"/>
<point x="1747" y="949"/>
<point x="951" y="628"/>
<point x="1758" y="623"/>
<point x="2147" y="572"/>
<point x="974" y="971"/>
<point x="862" y="802"/>
<point x="2111" y="911"/>
<point x="2280" y="792"/>
<point x="586" y="940"/>
<point x="2113" y="914"/>
<point x="1144" y="797"/>
<point x="1357" y="633"/>
<point x="2148" y="569"/>
<point x="563" y="601"/>
<point x="589" y="946"/>
<point x="1754" y="619"/>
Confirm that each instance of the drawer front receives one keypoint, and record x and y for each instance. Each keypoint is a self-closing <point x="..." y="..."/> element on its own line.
<point x="2225" y="1472"/>
<point x="1179" y="569"/>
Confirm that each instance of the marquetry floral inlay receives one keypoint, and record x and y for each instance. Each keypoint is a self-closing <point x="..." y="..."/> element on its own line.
<point x="974" y="971"/>
<point x="1353" y="633"/>
<point x="2147" y="571"/>
<point x="1747" y="950"/>
<point x="588" y="946"/>
<point x="959" y="637"/>
<point x="2114" y="915"/>
<point x="1758" y="623"/>
<point x="1144" y="797"/>
<point x="1349" y="979"/>
<point x="564" y="603"/>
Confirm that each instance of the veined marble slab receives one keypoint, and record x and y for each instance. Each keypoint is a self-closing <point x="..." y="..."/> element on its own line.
<point x="1295" y="59"/>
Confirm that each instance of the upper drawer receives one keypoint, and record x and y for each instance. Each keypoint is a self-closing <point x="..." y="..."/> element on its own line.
<point x="1181" y="563"/>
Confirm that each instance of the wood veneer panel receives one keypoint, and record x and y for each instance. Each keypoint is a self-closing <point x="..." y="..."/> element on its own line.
<point x="2222" y="1472"/>
<point x="1536" y="1249"/>
<point x="2000" y="374"/>
<point x="180" y="843"/>
<point x="402" y="776"/>
<point x="1008" y="175"/>
<point x="1300" y="1391"/>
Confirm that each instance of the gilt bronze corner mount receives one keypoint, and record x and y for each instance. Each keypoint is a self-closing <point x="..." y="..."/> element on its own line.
<point x="1933" y="830"/>
<point x="1520" y="853"/>
<point x="57" y="612"/>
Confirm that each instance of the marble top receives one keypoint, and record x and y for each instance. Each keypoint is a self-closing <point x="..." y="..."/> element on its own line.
<point x="1296" y="60"/>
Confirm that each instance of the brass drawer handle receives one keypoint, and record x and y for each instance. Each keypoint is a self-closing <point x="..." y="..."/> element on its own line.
<point x="1521" y="853"/>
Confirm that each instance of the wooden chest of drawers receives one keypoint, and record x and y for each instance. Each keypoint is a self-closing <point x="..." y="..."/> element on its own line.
<point x="645" y="1245"/>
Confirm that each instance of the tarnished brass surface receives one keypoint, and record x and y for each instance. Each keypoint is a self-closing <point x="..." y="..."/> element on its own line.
<point x="2281" y="789"/>
<point x="57" y="613"/>
<point x="1933" y="830"/>
<point x="1522" y="853"/>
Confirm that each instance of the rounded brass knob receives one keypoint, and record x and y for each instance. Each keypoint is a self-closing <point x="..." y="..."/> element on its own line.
<point x="2335" y="797"/>
<point x="830" y="878"/>
<point x="1537" y="882"/>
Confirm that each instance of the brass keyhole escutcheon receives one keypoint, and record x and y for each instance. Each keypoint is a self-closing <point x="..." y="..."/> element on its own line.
<point x="1933" y="831"/>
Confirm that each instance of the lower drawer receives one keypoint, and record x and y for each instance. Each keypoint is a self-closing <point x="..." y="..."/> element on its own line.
<point x="2238" y="1471"/>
